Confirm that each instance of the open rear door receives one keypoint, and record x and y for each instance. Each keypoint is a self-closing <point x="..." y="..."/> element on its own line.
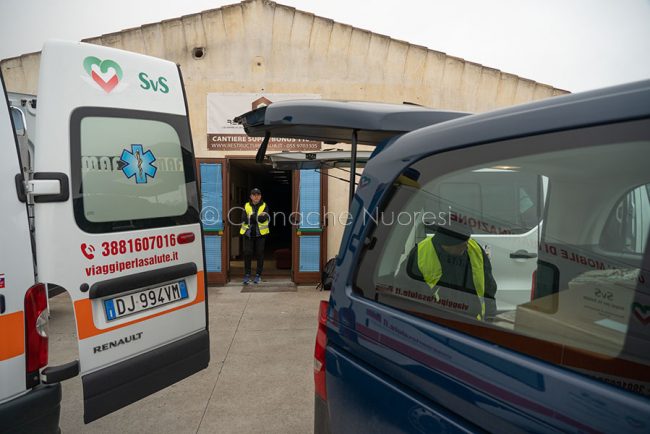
<point x="117" y="218"/>
<point x="290" y="160"/>
<point x="333" y="122"/>
<point x="16" y="268"/>
<point x="330" y="122"/>
<point x="338" y="121"/>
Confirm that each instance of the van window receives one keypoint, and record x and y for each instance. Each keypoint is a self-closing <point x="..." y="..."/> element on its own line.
<point x="17" y="117"/>
<point x="130" y="171"/>
<point x="451" y="247"/>
<point x="492" y="200"/>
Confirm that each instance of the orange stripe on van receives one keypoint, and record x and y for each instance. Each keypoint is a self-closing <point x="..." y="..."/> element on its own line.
<point x="12" y="335"/>
<point x="84" y="313"/>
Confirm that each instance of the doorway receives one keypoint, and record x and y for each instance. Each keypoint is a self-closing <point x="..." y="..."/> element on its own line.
<point x="277" y="188"/>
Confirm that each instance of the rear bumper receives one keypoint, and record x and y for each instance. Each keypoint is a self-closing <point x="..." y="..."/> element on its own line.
<point x="321" y="416"/>
<point x="126" y="382"/>
<point x="37" y="411"/>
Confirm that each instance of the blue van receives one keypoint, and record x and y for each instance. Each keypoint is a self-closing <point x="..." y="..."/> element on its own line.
<point x="417" y="336"/>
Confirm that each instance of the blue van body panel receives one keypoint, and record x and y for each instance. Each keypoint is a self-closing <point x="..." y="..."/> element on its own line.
<point x="351" y="384"/>
<point x="381" y="363"/>
<point x="442" y="368"/>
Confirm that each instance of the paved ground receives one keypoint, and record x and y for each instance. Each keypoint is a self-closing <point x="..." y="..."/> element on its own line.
<point x="260" y="378"/>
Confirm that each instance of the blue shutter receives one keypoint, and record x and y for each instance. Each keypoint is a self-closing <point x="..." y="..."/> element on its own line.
<point x="310" y="199"/>
<point x="211" y="197"/>
<point x="212" y="213"/>
<point x="212" y="245"/>
<point x="309" y="253"/>
<point x="310" y="212"/>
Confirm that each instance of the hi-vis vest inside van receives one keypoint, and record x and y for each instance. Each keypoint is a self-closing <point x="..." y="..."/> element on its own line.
<point x="264" y="227"/>
<point x="431" y="269"/>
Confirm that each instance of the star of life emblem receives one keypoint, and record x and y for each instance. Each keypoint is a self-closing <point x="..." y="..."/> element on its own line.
<point x="138" y="164"/>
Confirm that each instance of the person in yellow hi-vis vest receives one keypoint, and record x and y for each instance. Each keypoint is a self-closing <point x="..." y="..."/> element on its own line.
<point x="254" y="229"/>
<point x="450" y="259"/>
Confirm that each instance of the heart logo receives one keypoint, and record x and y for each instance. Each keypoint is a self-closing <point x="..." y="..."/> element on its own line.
<point x="642" y="313"/>
<point x="106" y="73"/>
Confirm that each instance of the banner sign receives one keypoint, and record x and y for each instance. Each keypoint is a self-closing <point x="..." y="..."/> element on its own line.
<point x="226" y="135"/>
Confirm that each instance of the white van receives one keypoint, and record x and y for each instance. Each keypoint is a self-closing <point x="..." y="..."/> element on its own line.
<point x="116" y="216"/>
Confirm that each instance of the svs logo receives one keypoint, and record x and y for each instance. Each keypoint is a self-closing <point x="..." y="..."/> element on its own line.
<point x="605" y="295"/>
<point x="147" y="83"/>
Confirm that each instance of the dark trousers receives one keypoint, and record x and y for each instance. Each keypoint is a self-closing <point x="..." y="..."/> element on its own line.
<point x="253" y="246"/>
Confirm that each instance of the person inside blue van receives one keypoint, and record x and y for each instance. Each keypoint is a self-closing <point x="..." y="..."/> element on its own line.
<point x="451" y="260"/>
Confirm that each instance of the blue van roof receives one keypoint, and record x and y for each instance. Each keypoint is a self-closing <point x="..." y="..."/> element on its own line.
<point x="612" y="104"/>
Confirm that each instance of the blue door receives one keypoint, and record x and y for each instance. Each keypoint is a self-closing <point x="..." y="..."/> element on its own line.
<point x="308" y="236"/>
<point x="212" y="217"/>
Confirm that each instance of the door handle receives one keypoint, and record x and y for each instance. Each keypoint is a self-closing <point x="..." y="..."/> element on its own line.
<point x="56" y="374"/>
<point x="49" y="187"/>
<point x="523" y="254"/>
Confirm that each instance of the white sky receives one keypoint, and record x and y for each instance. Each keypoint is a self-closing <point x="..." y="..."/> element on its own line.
<point x="571" y="44"/>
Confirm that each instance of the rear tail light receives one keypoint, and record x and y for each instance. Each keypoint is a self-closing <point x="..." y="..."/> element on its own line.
<point x="319" y="351"/>
<point x="36" y="323"/>
<point x="185" y="238"/>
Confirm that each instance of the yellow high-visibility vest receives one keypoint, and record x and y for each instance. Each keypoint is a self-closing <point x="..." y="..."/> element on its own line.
<point x="431" y="269"/>
<point x="264" y="227"/>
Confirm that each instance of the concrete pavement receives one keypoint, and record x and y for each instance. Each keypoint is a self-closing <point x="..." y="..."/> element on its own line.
<point x="259" y="380"/>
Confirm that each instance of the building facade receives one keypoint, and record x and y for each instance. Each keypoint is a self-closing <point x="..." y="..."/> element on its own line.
<point x="258" y="51"/>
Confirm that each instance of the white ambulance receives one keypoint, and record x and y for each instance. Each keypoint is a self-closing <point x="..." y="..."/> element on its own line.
<point x="116" y="214"/>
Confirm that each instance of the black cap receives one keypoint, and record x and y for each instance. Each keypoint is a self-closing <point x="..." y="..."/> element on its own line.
<point x="452" y="233"/>
<point x="256" y="191"/>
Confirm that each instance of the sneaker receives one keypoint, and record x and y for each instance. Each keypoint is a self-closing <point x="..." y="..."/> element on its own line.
<point x="247" y="279"/>
<point x="258" y="279"/>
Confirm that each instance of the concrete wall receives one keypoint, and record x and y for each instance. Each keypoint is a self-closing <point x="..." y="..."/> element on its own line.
<point x="261" y="46"/>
